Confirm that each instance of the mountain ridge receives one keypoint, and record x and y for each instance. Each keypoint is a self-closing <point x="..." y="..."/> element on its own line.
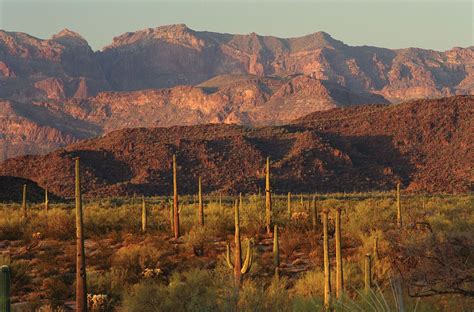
<point x="425" y="144"/>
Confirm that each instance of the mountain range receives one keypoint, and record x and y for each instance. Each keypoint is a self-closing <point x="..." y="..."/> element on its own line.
<point x="58" y="91"/>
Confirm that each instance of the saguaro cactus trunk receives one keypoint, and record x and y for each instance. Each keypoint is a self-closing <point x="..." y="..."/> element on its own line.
<point x="376" y="248"/>
<point x="200" y="204"/>
<point x="4" y="288"/>
<point x="144" y="215"/>
<point x="399" y="207"/>
<point x="289" y="205"/>
<point x="367" y="273"/>
<point x="237" y="266"/>
<point x="46" y="200"/>
<point x="327" y="269"/>
<point x="268" y="199"/>
<point x="276" y="249"/>
<point x="339" y="273"/>
<point x="175" y="201"/>
<point x="314" y="214"/>
<point x="24" y="209"/>
<point x="81" y="285"/>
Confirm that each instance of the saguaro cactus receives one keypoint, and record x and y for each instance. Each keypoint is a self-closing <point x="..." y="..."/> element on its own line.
<point x="200" y="204"/>
<point x="175" y="200"/>
<point x="399" y="207"/>
<point x="376" y="248"/>
<point x="170" y="203"/>
<point x="268" y="199"/>
<point x="46" y="200"/>
<point x="327" y="270"/>
<point x="276" y="249"/>
<point x="4" y="289"/>
<point x="24" y="209"/>
<point x="144" y="215"/>
<point x="238" y="267"/>
<point x="289" y="205"/>
<point x="339" y="274"/>
<point x="81" y="285"/>
<point x="367" y="273"/>
<point x="301" y="201"/>
<point x="314" y="214"/>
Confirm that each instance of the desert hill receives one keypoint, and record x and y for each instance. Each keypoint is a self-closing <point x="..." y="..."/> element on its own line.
<point x="426" y="144"/>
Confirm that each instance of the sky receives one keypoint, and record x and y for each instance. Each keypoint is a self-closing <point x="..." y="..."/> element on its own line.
<point x="438" y="25"/>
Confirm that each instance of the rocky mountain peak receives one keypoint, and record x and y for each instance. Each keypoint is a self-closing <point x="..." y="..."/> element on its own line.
<point x="67" y="36"/>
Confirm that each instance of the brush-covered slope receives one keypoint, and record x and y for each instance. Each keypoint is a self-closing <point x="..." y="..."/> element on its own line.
<point x="427" y="144"/>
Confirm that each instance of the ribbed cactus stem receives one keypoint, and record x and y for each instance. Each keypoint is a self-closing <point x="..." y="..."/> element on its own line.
<point x="327" y="270"/>
<point x="376" y="248"/>
<point x="276" y="247"/>
<point x="144" y="215"/>
<point x="399" y="207"/>
<point x="289" y="205"/>
<point x="46" y="200"/>
<point x="220" y="200"/>
<point x="81" y="285"/>
<point x="339" y="273"/>
<point x="314" y="214"/>
<point x="238" y="247"/>
<point x="268" y="198"/>
<point x="170" y="203"/>
<point x="200" y="204"/>
<point x="175" y="200"/>
<point x="24" y="209"/>
<point x="367" y="273"/>
<point x="4" y="289"/>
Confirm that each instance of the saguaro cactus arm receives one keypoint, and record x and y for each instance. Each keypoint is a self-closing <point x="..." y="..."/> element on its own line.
<point x="276" y="247"/>
<point x="248" y="258"/>
<point x="227" y="257"/>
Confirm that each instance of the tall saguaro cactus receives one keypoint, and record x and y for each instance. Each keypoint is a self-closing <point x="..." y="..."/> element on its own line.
<point x="289" y="205"/>
<point x="268" y="199"/>
<point x="175" y="200"/>
<point x="327" y="270"/>
<point x="314" y="214"/>
<point x="276" y="249"/>
<point x="376" y="248"/>
<point x="239" y="267"/>
<point x="144" y="215"/>
<point x="4" y="288"/>
<point x="399" y="207"/>
<point x="24" y="209"/>
<point x="46" y="200"/>
<point x="81" y="285"/>
<point x="339" y="273"/>
<point x="367" y="273"/>
<point x="200" y="204"/>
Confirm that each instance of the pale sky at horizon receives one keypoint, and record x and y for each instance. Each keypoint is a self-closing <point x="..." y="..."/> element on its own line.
<point x="438" y="25"/>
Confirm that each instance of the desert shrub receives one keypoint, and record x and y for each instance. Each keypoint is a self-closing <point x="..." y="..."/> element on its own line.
<point x="188" y="291"/>
<point x="12" y="226"/>
<point x="129" y="262"/>
<point x="106" y="282"/>
<point x="19" y="270"/>
<point x="147" y="296"/>
<point x="311" y="284"/>
<point x="56" y="224"/>
<point x="196" y="239"/>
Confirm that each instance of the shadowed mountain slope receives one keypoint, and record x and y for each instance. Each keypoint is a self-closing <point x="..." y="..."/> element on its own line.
<point x="427" y="144"/>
